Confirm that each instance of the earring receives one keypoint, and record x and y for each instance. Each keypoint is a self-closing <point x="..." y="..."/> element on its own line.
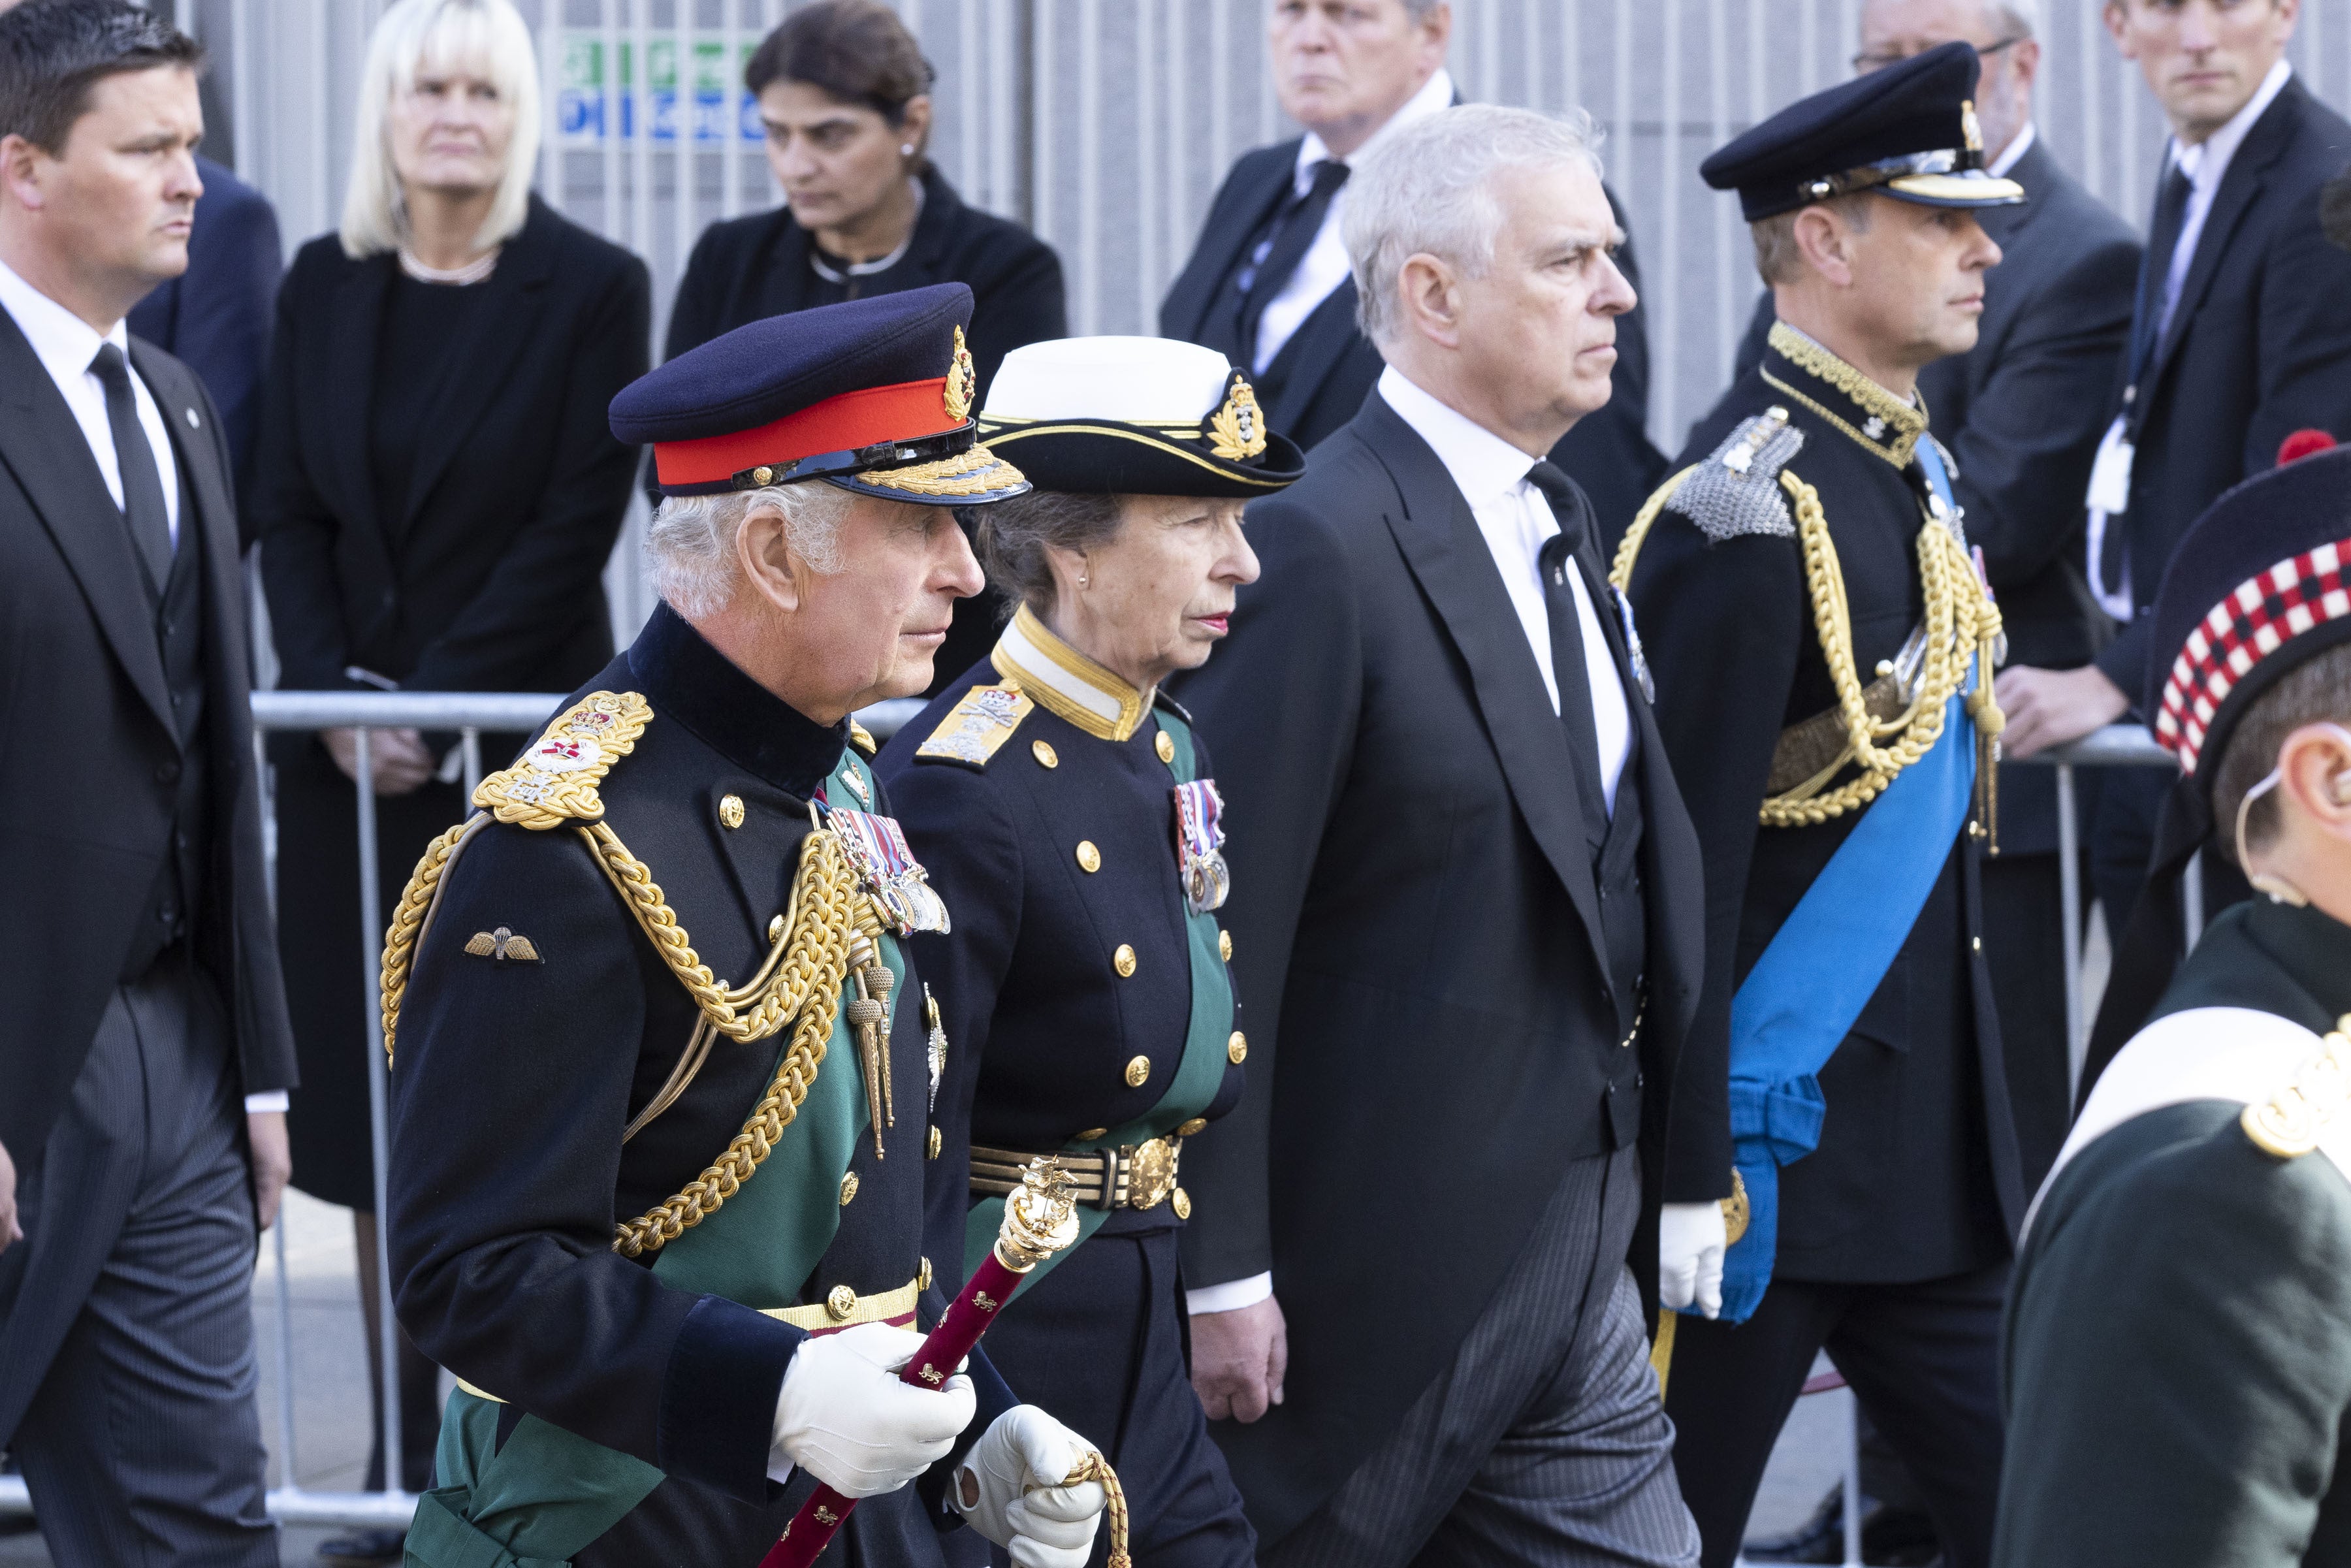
<point x="906" y="150"/>
<point x="1085" y="582"/>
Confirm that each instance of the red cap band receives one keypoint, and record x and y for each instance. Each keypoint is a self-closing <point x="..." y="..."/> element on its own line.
<point x="907" y="411"/>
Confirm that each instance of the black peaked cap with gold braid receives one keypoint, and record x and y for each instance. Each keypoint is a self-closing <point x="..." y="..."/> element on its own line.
<point x="1134" y="416"/>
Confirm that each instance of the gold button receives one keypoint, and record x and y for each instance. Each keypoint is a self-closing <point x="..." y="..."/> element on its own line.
<point x="1237" y="1048"/>
<point x="936" y="1141"/>
<point x="730" y="810"/>
<point x="775" y="929"/>
<point x="1123" y="961"/>
<point x="839" y="1302"/>
<point x="1225" y="945"/>
<point x="1091" y="1134"/>
<point x="847" y="1188"/>
<point x="1089" y="857"/>
<point x="923" y="1276"/>
<point x="1181" y="1201"/>
<point x="1045" y="755"/>
<point x="1193" y="1128"/>
<point x="1167" y="748"/>
<point x="1138" y="1073"/>
<point x="762" y="474"/>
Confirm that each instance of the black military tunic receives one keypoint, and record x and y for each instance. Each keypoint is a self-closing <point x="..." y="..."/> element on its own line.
<point x="518" y="1068"/>
<point x="1067" y="995"/>
<point x="2177" y="1365"/>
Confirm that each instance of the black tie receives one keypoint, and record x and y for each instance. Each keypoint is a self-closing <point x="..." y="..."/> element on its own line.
<point x="1562" y="553"/>
<point x="143" y="487"/>
<point x="2162" y="239"/>
<point x="1282" y="246"/>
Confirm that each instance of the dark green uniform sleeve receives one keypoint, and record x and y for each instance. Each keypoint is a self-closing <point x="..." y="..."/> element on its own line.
<point x="2177" y="1357"/>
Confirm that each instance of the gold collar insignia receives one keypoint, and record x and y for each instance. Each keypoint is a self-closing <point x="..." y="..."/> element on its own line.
<point x="1065" y="682"/>
<point x="1867" y="411"/>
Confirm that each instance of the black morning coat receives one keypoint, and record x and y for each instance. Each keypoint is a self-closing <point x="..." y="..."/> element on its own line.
<point x="2023" y="411"/>
<point x="84" y="707"/>
<point x="1916" y="1176"/>
<point x="1316" y="384"/>
<point x="1421" y="959"/>
<point x="2259" y="347"/>
<point x="747" y="269"/>
<point x="2177" y="1356"/>
<point x="512" y="1084"/>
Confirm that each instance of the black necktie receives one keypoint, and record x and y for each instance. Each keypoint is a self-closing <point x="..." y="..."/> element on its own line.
<point x="1561" y="553"/>
<point x="1276" y="254"/>
<point x="2162" y="239"/>
<point x="143" y="487"/>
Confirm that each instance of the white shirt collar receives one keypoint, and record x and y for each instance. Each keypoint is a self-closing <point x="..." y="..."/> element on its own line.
<point x="1481" y="463"/>
<point x="1436" y="93"/>
<point x="2017" y="146"/>
<point x="2207" y="163"/>
<point x="61" y="340"/>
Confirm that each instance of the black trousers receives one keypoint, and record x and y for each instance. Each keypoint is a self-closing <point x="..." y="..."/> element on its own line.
<point x="1923" y="1359"/>
<point x="2024" y="947"/>
<point x="127" y="1366"/>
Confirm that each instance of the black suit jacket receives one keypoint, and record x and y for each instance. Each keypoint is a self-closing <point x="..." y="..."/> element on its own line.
<point x="1419" y="954"/>
<point x="492" y="579"/>
<point x="2022" y="411"/>
<point x="89" y="749"/>
<point x="2259" y="347"/>
<point x="216" y="316"/>
<point x="1320" y="377"/>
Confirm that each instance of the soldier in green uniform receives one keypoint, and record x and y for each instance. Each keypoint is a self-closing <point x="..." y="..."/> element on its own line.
<point x="2177" y="1357"/>
<point x="660" y="1073"/>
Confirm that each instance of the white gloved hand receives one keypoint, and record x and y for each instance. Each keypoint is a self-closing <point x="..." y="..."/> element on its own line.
<point x="844" y="1417"/>
<point x="1691" y="1240"/>
<point x="1008" y="1488"/>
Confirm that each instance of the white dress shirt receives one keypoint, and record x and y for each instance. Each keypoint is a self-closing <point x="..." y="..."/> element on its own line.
<point x="65" y="344"/>
<point x="1324" y="265"/>
<point x="2017" y="145"/>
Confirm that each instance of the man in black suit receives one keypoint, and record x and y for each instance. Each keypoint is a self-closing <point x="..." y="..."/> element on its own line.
<point x="214" y="317"/>
<point x="1267" y="284"/>
<point x="1464" y="918"/>
<point x="2242" y="336"/>
<point x="141" y="1022"/>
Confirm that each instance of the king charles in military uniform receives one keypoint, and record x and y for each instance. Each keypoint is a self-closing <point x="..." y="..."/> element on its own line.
<point x="1823" y="648"/>
<point x="661" y="1068"/>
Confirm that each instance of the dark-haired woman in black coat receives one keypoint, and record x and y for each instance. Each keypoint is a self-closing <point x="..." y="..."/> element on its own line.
<point x="844" y="93"/>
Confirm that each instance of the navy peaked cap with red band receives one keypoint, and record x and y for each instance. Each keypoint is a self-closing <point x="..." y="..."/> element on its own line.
<point x="2258" y="584"/>
<point x="873" y="396"/>
<point x="1908" y="131"/>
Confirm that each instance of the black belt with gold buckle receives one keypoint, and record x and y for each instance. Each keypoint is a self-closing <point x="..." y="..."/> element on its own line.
<point x="1134" y="1176"/>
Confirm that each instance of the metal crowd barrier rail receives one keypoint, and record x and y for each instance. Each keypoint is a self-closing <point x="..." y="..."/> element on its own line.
<point x="470" y="714"/>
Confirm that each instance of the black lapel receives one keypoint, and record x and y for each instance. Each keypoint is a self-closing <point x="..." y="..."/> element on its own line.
<point x="2032" y="171"/>
<point x="349" y="381"/>
<point x="208" y="519"/>
<point x="1251" y="209"/>
<point x="1449" y="556"/>
<point x="502" y="323"/>
<point x="1321" y="341"/>
<point x="935" y="230"/>
<point x="46" y="450"/>
<point x="2248" y="171"/>
<point x="782" y="285"/>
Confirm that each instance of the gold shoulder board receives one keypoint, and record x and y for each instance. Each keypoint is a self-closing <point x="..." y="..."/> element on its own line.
<point x="555" y="781"/>
<point x="863" y="738"/>
<point x="2291" y="1123"/>
<point x="974" y="729"/>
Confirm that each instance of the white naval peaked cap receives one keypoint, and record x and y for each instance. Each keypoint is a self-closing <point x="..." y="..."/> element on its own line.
<point x="1137" y="380"/>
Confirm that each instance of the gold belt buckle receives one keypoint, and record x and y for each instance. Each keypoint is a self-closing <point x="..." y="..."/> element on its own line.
<point x="1150" y="1170"/>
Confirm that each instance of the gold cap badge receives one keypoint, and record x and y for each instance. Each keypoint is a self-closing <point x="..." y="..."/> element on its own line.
<point x="1238" y="429"/>
<point x="1969" y="128"/>
<point x="961" y="381"/>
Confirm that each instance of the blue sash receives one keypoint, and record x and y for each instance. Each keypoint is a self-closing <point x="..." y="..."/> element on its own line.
<point x="1800" y="1002"/>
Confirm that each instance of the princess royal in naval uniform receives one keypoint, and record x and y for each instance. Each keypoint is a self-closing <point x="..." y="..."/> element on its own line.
<point x="1067" y="815"/>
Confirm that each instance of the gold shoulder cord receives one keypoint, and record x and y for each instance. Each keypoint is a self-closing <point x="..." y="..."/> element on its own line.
<point x="800" y="980"/>
<point x="1962" y="620"/>
<point x="2289" y="1124"/>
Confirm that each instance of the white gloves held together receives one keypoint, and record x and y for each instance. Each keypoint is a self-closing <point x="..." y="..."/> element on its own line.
<point x="844" y="1417"/>
<point x="1691" y="1240"/>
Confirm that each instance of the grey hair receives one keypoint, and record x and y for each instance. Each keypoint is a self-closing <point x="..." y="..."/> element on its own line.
<point x="1778" y="257"/>
<point x="2018" y="18"/>
<point x="690" y="545"/>
<point x="1013" y="537"/>
<point x="1431" y="189"/>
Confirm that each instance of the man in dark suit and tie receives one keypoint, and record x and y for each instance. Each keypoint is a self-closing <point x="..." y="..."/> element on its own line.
<point x="2241" y="336"/>
<point x="1466" y="917"/>
<point x="214" y="317"/>
<point x="1268" y="285"/>
<point x="143" y="1040"/>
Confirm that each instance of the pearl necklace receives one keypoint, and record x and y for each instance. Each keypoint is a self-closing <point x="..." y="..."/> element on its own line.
<point x="473" y="271"/>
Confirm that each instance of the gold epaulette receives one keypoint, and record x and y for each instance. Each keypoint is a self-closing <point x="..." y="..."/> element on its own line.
<point x="2289" y="1124"/>
<point x="863" y="738"/>
<point x="555" y="781"/>
<point x="978" y="724"/>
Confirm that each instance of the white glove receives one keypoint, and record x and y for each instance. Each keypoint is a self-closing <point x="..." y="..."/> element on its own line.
<point x="844" y="1417"/>
<point x="1691" y="1240"/>
<point x="1009" y="1490"/>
